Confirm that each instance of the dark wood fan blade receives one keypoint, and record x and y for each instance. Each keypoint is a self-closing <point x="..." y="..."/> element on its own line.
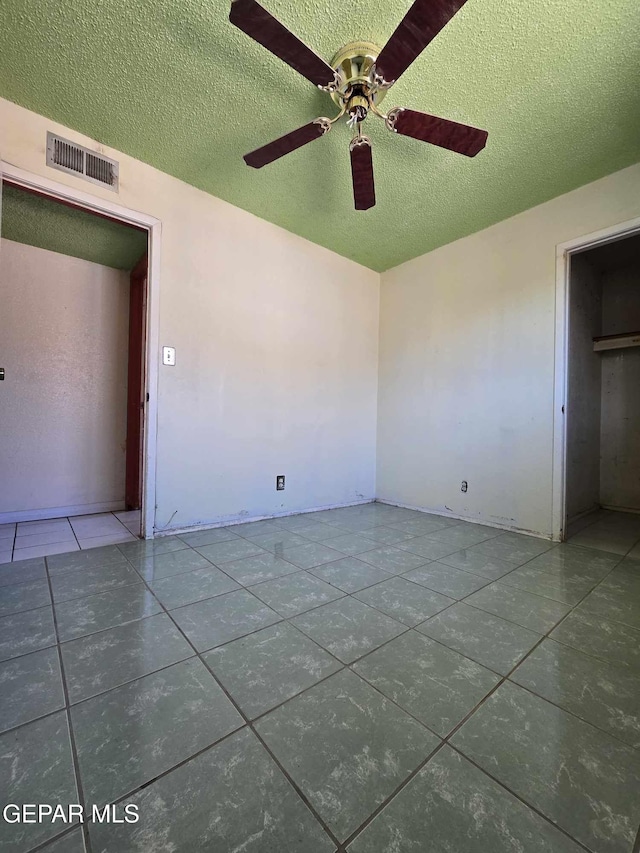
<point x="286" y="144"/>
<point x="364" y="193"/>
<point x="460" y="138"/>
<point x="261" y="26"/>
<point x="420" y="25"/>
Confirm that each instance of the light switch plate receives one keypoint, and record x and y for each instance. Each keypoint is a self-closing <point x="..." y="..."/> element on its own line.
<point x="169" y="356"/>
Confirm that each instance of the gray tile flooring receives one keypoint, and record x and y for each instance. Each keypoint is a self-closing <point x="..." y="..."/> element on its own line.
<point x="368" y="679"/>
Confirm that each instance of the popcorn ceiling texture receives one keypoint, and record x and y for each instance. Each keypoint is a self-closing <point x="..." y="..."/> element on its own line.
<point x="36" y="221"/>
<point x="555" y="84"/>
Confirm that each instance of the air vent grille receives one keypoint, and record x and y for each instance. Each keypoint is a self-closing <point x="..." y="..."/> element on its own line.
<point x="69" y="156"/>
<point x="79" y="161"/>
<point x="99" y="169"/>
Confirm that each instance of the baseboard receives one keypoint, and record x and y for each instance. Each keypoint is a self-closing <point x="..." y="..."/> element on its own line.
<point x="630" y="509"/>
<point x="60" y="512"/>
<point x="511" y="528"/>
<point x="173" y="531"/>
<point x="583" y="514"/>
<point x="210" y="525"/>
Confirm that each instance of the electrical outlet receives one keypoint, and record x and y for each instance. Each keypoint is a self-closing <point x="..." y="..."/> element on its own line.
<point x="464" y="486"/>
<point x="280" y="483"/>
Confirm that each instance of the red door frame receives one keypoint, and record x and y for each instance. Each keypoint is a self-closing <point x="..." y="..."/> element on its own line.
<point x="136" y="383"/>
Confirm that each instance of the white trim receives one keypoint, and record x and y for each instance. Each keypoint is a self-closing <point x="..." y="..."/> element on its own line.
<point x="563" y="270"/>
<point x="472" y="519"/>
<point x="211" y="525"/>
<point x="149" y="464"/>
<point x="41" y="184"/>
<point x="244" y="520"/>
<point x="29" y="180"/>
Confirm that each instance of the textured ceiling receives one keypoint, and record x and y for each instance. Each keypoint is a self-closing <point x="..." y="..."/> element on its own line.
<point x="172" y="83"/>
<point x="36" y="221"/>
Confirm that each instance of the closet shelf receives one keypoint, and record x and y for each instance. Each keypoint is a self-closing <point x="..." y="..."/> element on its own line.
<point x="605" y="342"/>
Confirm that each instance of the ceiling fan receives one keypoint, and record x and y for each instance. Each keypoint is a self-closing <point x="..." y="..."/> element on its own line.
<point x="358" y="79"/>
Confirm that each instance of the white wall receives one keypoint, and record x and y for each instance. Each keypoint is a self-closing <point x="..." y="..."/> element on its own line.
<point x="276" y="343"/>
<point x="63" y="404"/>
<point x="620" y="450"/>
<point x="467" y="362"/>
<point x="584" y="386"/>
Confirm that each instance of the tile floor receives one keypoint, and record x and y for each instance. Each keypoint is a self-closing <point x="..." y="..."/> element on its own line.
<point x="369" y="679"/>
<point x="28" y="539"/>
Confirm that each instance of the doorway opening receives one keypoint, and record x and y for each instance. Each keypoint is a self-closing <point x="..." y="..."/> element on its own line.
<point x="602" y="456"/>
<point x="75" y="349"/>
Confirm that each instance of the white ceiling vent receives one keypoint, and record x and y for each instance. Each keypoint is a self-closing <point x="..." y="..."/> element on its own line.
<point x="82" y="162"/>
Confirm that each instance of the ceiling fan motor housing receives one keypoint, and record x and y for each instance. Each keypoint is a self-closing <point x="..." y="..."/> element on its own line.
<point x="355" y="64"/>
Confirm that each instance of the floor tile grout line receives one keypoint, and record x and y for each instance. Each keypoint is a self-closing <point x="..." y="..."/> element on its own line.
<point x="520" y="799"/>
<point x="15" y="551"/>
<point x="75" y="704"/>
<point x="32" y="651"/>
<point x="295" y="786"/>
<point x="245" y="726"/>
<point x="123" y="525"/>
<point x="298" y="570"/>
<point x="452" y="523"/>
<point x="81" y="597"/>
<point x="134" y="791"/>
<point x="444" y="741"/>
<point x="410" y="628"/>
<point x="454" y="731"/>
<point x="566" y="711"/>
<point x="546" y="636"/>
<point x="320" y="565"/>
<point x="127" y="795"/>
<point x="541" y="637"/>
<point x="459" y="725"/>
<point x="63" y="642"/>
<point x="55" y="838"/>
<point x="249" y="724"/>
<point x="396" y="792"/>
<point x="428" y="560"/>
<point x="198" y="655"/>
<point x="72" y="740"/>
<point x="378" y="544"/>
<point x="502" y="677"/>
<point x="292" y="697"/>
<point x="288" y="620"/>
<point x="572" y="607"/>
<point x="71" y="541"/>
<point x="591" y="655"/>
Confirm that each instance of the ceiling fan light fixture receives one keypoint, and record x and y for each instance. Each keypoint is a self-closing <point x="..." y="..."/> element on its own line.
<point x="357" y="80"/>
